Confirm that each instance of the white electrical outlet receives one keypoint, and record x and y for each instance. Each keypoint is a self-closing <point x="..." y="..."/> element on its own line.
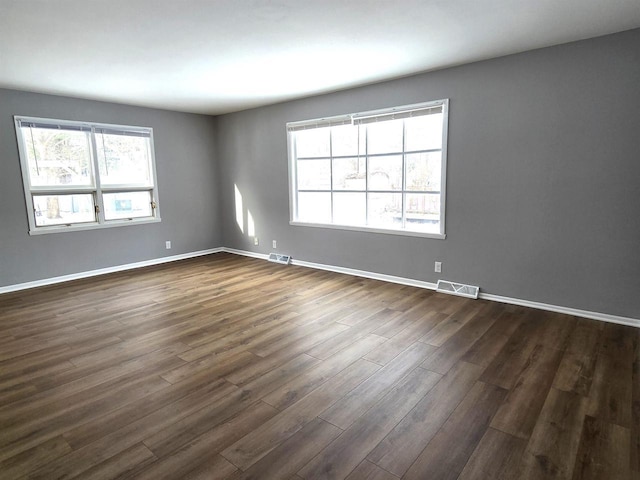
<point x="256" y="241"/>
<point x="275" y="244"/>
<point x="167" y="244"/>
<point x="438" y="267"/>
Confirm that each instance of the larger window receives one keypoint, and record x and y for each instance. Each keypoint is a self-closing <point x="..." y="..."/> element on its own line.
<point x="81" y="175"/>
<point x="379" y="171"/>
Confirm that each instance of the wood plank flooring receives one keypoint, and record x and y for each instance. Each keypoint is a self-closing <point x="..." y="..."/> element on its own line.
<point x="225" y="367"/>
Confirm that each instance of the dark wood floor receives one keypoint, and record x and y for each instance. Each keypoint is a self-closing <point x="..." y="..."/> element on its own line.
<point x="225" y="367"/>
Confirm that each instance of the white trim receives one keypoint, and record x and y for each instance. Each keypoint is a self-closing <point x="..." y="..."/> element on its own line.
<point x="292" y="163"/>
<point x="336" y="226"/>
<point x="245" y="253"/>
<point x="95" y="189"/>
<point x="443" y="166"/>
<point x="75" y="227"/>
<point x="365" y="274"/>
<point x="604" y="317"/>
<point x="348" y="271"/>
<point x="104" y="271"/>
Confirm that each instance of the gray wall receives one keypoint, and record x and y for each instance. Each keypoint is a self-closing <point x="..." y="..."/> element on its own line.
<point x="543" y="181"/>
<point x="187" y="181"/>
<point x="543" y="177"/>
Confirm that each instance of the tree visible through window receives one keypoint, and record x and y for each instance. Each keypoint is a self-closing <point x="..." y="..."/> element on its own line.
<point x="86" y="175"/>
<point x="381" y="170"/>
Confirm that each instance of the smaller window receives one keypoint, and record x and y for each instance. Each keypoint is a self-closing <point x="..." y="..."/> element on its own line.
<point x="381" y="171"/>
<point x="80" y="175"/>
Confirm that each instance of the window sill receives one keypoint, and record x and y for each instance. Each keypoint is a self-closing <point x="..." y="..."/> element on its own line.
<point x="405" y="233"/>
<point x="90" y="226"/>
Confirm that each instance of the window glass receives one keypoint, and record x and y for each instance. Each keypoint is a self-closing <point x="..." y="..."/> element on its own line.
<point x="314" y="174"/>
<point x="384" y="171"/>
<point x="349" y="173"/>
<point x="385" y="210"/>
<point x="349" y="208"/>
<point x="423" y="171"/>
<point x="58" y="157"/>
<point x="127" y="205"/>
<point x="79" y="175"/>
<point x="314" y="207"/>
<point x="313" y="143"/>
<point x="346" y="141"/>
<point x="63" y="209"/>
<point x="384" y="137"/>
<point x="123" y="159"/>
<point x="423" y="133"/>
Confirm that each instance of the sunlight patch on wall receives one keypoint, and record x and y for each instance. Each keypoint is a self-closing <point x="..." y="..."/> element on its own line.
<point x="251" y="226"/>
<point x="239" y="211"/>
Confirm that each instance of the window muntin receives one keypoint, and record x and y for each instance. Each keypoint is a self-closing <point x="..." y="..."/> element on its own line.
<point x="381" y="171"/>
<point x="80" y="175"/>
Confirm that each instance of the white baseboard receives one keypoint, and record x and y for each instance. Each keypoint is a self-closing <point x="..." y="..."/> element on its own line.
<point x="605" y="317"/>
<point x="246" y="253"/>
<point x="363" y="273"/>
<point x="103" y="271"/>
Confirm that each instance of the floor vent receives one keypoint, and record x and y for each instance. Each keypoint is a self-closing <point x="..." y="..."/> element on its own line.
<point x="278" y="258"/>
<point x="458" y="289"/>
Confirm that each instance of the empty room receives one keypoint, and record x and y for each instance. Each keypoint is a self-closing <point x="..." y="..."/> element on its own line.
<point x="291" y="239"/>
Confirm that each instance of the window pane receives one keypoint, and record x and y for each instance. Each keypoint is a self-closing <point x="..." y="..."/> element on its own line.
<point x="423" y="133"/>
<point x="385" y="173"/>
<point x="349" y="173"/>
<point x="314" y="174"/>
<point x="423" y="212"/>
<point x="124" y="160"/>
<point x="386" y="169"/>
<point x="423" y="171"/>
<point x="384" y="137"/>
<point x="385" y="210"/>
<point x="314" y="207"/>
<point x="312" y="143"/>
<point x="349" y="208"/>
<point x="63" y="209"/>
<point x="345" y="139"/>
<point x="127" y="205"/>
<point x="58" y="157"/>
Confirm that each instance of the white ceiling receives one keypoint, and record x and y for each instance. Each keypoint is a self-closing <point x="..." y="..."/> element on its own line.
<point x="218" y="56"/>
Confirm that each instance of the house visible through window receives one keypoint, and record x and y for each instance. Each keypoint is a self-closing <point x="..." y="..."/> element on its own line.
<point x="381" y="171"/>
<point x="81" y="175"/>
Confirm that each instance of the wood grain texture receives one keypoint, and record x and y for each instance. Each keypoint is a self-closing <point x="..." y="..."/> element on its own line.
<point x="553" y="446"/>
<point x="603" y="451"/>
<point x="370" y="471"/>
<point x="350" y="448"/>
<point x="399" y="449"/>
<point x="225" y="367"/>
<point x="447" y="453"/>
<point x="251" y="448"/>
<point x="497" y="457"/>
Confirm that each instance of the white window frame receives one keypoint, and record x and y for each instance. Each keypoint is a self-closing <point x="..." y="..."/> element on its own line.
<point x="97" y="190"/>
<point x="350" y="118"/>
